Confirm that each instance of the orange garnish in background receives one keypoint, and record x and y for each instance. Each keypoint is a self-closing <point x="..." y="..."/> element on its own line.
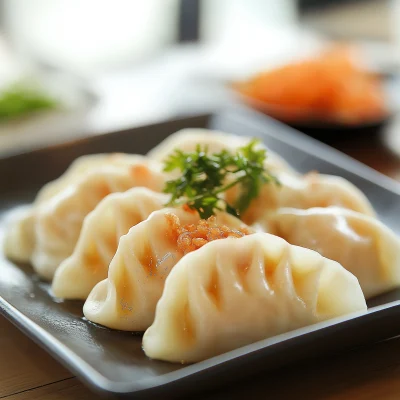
<point x="329" y="86"/>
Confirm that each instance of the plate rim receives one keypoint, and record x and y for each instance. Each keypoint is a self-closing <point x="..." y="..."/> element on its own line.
<point x="97" y="381"/>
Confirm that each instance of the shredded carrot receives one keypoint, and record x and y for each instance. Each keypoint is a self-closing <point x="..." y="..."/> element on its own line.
<point x="329" y="86"/>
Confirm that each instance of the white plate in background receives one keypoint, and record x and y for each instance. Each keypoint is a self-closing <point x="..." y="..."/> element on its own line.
<point x="41" y="128"/>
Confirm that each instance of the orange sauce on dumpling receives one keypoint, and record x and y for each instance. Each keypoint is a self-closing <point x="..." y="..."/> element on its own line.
<point x="123" y="290"/>
<point x="103" y="190"/>
<point x="112" y="241"/>
<point x="243" y="266"/>
<point x="147" y="259"/>
<point x="91" y="257"/>
<point x="269" y="271"/>
<point x="213" y="289"/>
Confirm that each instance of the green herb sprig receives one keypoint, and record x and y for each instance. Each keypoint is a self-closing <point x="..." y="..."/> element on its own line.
<point x="204" y="177"/>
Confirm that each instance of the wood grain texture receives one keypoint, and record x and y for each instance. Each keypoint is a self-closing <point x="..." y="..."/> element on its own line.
<point x="23" y="364"/>
<point x="372" y="372"/>
<point x="372" y="151"/>
<point x="66" y="389"/>
<point x="368" y="373"/>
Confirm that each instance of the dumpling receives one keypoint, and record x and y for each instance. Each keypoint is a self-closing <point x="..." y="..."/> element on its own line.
<point x="310" y="190"/>
<point x="19" y="239"/>
<point x="234" y="292"/>
<point x="19" y="236"/>
<point x="58" y="221"/>
<point x="127" y="299"/>
<point x="82" y="165"/>
<point x="363" y="245"/>
<point x="99" y="237"/>
<point x="216" y="141"/>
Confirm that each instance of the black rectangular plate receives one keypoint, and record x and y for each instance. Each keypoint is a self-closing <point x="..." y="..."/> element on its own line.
<point x="112" y="361"/>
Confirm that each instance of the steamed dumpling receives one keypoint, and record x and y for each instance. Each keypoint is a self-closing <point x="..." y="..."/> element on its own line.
<point x="310" y="190"/>
<point x="82" y="165"/>
<point x="216" y="141"/>
<point x="99" y="237"/>
<point x="19" y="237"/>
<point x="234" y="292"/>
<point x="19" y="240"/>
<point x="58" y="221"/>
<point x="127" y="299"/>
<point x="363" y="245"/>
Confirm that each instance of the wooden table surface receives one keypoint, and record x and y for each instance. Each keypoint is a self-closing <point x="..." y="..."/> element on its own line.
<point x="372" y="372"/>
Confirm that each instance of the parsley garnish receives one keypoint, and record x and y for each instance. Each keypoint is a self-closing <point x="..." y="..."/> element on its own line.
<point x="205" y="176"/>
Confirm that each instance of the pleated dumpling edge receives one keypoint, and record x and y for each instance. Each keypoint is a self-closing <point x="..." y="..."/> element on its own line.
<point x="99" y="238"/>
<point x="234" y="292"/>
<point x="362" y="244"/>
<point x="127" y="299"/>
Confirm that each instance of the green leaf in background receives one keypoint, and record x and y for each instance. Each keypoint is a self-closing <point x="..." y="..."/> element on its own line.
<point x="20" y="99"/>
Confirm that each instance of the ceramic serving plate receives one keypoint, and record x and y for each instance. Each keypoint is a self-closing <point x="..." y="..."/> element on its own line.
<point x="113" y="362"/>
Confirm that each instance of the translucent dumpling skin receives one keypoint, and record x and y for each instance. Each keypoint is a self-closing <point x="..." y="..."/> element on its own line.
<point x="19" y="241"/>
<point x="234" y="292"/>
<point x="58" y="222"/>
<point x="363" y="245"/>
<point x="19" y="237"/>
<point x="303" y="192"/>
<point x="99" y="238"/>
<point x="127" y="299"/>
<point x="83" y="165"/>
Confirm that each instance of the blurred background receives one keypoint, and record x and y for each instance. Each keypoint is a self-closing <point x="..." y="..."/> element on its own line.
<point x="70" y="68"/>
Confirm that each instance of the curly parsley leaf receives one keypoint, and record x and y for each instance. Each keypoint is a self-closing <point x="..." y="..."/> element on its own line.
<point x="203" y="177"/>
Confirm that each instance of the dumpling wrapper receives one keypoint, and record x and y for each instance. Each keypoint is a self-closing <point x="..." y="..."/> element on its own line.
<point x="19" y="240"/>
<point x="58" y="221"/>
<point x="234" y="292"/>
<point x="99" y="238"/>
<point x="83" y="165"/>
<point x="216" y="141"/>
<point x="303" y="192"/>
<point x="363" y="245"/>
<point x="127" y="299"/>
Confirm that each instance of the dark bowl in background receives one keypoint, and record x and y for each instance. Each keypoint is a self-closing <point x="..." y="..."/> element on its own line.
<point x="316" y="126"/>
<point x="326" y="130"/>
